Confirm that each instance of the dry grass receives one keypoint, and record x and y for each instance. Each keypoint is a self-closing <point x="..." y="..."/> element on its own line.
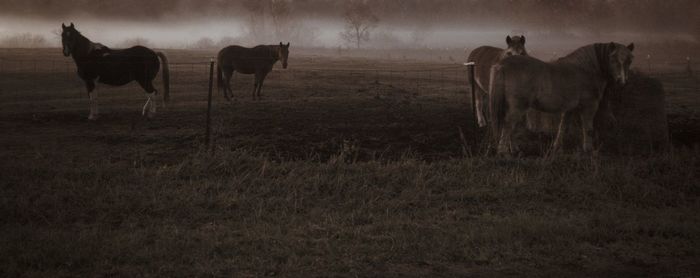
<point x="238" y="213"/>
<point x="325" y="177"/>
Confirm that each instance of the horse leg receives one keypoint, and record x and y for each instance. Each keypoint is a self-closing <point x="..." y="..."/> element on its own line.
<point x="480" y="95"/>
<point x="512" y="120"/>
<point x="228" y="75"/>
<point x="260" y="84"/>
<point x="255" y="87"/>
<point x="587" y="116"/>
<point x="149" y="109"/>
<point x="560" y="131"/>
<point x="516" y="118"/>
<point x="94" y="109"/>
<point x="256" y="84"/>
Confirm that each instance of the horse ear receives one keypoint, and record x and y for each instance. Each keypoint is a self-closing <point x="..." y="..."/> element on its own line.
<point x="631" y="47"/>
<point x="288" y="43"/>
<point x="522" y="38"/>
<point x="509" y="40"/>
<point x="71" y="25"/>
<point x="281" y="44"/>
<point x="63" y="25"/>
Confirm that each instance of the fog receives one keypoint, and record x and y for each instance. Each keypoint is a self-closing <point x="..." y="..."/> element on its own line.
<point x="318" y="23"/>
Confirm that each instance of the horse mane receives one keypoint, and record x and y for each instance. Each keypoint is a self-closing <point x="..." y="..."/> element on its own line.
<point x="592" y="58"/>
<point x="274" y="51"/>
<point x="86" y="48"/>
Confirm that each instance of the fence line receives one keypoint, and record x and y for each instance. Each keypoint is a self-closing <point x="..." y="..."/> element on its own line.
<point x="412" y="78"/>
<point x="5" y="65"/>
<point x="424" y="78"/>
<point x="36" y="65"/>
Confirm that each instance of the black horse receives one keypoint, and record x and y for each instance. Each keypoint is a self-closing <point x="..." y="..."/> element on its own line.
<point x="257" y="60"/>
<point x="115" y="67"/>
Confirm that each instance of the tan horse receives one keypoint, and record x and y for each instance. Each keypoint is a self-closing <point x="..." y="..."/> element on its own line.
<point x="484" y="57"/>
<point x="573" y="84"/>
<point x="257" y="60"/>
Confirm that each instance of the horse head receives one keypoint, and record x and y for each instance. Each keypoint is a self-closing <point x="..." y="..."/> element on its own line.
<point x="516" y="46"/>
<point x="619" y="60"/>
<point x="69" y="38"/>
<point x="284" y="54"/>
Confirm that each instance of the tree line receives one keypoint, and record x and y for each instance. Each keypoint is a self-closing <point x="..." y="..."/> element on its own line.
<point x="285" y="18"/>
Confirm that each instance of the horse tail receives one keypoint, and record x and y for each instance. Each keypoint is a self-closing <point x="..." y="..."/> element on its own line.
<point x="166" y="76"/>
<point x="497" y="100"/>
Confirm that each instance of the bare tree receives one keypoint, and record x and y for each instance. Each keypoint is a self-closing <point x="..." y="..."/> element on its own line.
<point x="280" y="11"/>
<point x="359" y="21"/>
<point x="256" y="21"/>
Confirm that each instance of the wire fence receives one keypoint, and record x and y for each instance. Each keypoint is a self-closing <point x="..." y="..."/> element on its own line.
<point x="304" y="80"/>
<point x="333" y="80"/>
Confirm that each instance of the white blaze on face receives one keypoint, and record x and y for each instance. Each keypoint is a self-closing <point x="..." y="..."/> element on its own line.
<point x="619" y="67"/>
<point x="623" y="71"/>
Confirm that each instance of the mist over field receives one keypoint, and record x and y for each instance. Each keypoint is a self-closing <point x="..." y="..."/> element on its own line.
<point x="358" y="150"/>
<point x="318" y="23"/>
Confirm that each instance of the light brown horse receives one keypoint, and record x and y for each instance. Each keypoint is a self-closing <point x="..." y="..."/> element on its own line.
<point x="573" y="84"/>
<point x="257" y="60"/>
<point x="484" y="57"/>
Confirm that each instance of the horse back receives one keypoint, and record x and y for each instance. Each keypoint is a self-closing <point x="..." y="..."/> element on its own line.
<point x="134" y="51"/>
<point x="484" y="57"/>
<point x="245" y="60"/>
<point x="548" y="87"/>
<point x="121" y="66"/>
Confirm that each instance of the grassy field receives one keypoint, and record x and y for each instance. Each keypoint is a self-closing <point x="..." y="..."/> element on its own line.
<point x="348" y="167"/>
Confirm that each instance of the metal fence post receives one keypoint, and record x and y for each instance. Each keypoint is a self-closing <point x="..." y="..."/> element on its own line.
<point x="211" y="85"/>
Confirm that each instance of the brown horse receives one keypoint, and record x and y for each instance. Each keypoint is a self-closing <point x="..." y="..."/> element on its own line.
<point x="257" y="60"/>
<point x="484" y="57"/>
<point x="115" y="67"/>
<point x="573" y="84"/>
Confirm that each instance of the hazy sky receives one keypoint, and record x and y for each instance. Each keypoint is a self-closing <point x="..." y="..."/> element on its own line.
<point x="411" y="23"/>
